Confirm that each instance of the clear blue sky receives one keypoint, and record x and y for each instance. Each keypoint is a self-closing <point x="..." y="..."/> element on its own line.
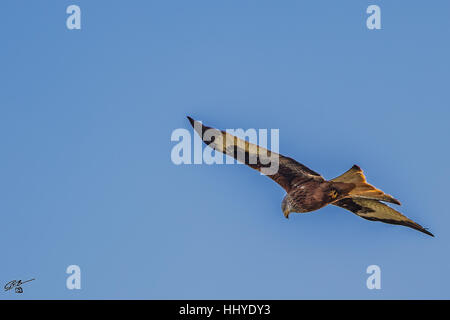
<point x="85" y="171"/>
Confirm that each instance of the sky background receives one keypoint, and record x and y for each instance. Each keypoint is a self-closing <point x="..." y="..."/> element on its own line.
<point x="86" y="176"/>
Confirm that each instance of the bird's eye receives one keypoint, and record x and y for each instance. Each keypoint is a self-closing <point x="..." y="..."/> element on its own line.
<point x="333" y="193"/>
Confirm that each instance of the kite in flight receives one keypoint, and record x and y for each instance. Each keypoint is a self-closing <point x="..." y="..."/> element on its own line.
<point x="307" y="190"/>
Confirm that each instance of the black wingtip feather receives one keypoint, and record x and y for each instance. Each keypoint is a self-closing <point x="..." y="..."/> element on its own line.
<point x="418" y="227"/>
<point x="425" y="230"/>
<point x="192" y="121"/>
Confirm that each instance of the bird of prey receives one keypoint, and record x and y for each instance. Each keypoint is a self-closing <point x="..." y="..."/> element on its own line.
<point x="307" y="190"/>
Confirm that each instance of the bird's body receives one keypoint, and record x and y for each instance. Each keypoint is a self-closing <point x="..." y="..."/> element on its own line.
<point x="313" y="194"/>
<point x="307" y="190"/>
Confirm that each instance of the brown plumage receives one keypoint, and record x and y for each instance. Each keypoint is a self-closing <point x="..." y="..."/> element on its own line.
<point x="307" y="190"/>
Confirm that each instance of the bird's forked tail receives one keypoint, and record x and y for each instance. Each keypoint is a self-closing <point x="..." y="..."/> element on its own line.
<point x="362" y="189"/>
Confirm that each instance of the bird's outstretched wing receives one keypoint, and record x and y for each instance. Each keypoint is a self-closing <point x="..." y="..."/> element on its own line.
<point x="374" y="210"/>
<point x="283" y="170"/>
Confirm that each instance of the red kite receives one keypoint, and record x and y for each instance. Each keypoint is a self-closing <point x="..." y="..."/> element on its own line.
<point x="307" y="190"/>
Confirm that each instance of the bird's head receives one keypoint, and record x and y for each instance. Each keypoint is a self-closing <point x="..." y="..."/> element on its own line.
<point x="286" y="207"/>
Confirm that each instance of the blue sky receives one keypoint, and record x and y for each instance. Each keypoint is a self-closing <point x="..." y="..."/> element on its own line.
<point x="86" y="176"/>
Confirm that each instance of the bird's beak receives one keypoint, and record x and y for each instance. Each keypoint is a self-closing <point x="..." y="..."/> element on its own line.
<point x="285" y="207"/>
